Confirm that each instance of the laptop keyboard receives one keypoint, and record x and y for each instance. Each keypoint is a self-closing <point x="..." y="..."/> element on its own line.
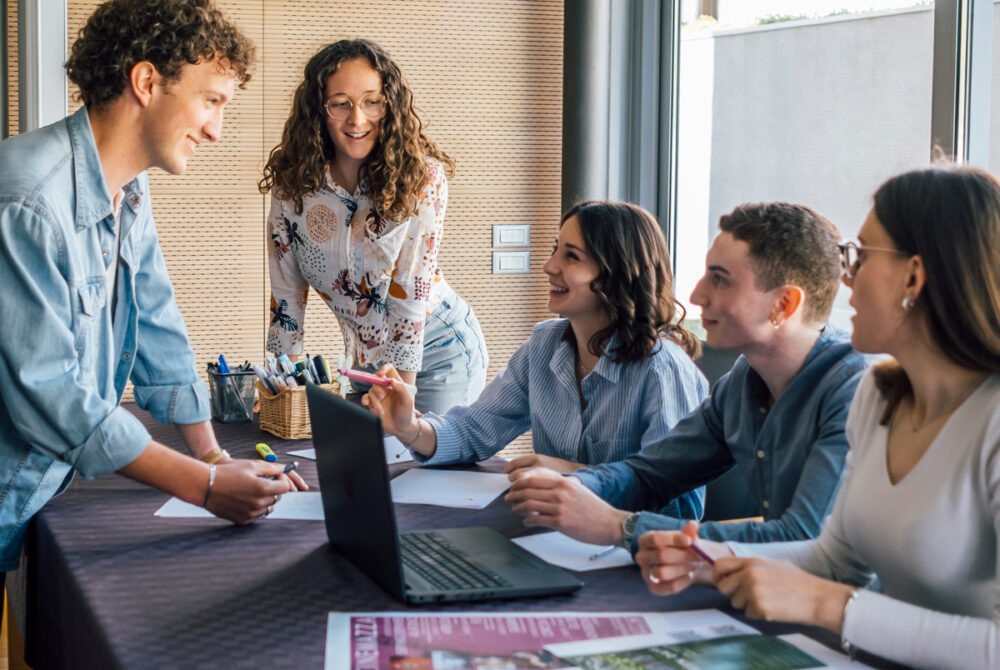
<point x="440" y="563"/>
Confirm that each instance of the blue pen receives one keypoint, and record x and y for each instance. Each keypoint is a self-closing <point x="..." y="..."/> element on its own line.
<point x="223" y="367"/>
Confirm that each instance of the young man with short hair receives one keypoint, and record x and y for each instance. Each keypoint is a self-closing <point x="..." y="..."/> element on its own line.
<point x="87" y="299"/>
<point x="778" y="415"/>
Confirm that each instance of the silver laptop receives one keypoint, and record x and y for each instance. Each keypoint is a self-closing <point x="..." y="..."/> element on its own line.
<point x="449" y="564"/>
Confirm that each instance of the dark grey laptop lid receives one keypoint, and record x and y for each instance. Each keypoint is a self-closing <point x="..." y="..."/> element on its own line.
<point x="354" y="485"/>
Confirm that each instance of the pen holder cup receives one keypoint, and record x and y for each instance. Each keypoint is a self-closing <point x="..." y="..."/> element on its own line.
<point x="231" y="394"/>
<point x="286" y="415"/>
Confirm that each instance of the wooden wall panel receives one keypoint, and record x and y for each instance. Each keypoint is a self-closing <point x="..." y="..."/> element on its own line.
<point x="487" y="78"/>
<point x="13" y="113"/>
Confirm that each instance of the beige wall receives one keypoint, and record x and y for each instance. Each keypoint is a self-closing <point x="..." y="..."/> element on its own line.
<point x="487" y="77"/>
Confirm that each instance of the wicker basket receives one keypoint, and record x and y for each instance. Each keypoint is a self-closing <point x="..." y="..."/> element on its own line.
<point x="286" y="415"/>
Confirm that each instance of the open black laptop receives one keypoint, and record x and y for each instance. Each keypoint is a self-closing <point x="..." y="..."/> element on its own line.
<point x="417" y="566"/>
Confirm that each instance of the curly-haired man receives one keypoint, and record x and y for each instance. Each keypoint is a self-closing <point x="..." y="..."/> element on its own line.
<point x="87" y="299"/>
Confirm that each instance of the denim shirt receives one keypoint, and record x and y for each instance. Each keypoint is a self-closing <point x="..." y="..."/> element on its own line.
<point x="63" y="365"/>
<point x="791" y="455"/>
<point x="626" y="406"/>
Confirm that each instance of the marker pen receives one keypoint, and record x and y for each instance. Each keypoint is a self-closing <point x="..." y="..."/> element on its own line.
<point x="288" y="468"/>
<point x="266" y="453"/>
<point x="377" y="380"/>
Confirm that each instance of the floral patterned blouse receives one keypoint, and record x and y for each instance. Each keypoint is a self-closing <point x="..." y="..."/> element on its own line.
<point x="379" y="277"/>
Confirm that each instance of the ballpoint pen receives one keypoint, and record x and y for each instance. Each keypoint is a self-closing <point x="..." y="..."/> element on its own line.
<point x="603" y="553"/>
<point x="702" y="554"/>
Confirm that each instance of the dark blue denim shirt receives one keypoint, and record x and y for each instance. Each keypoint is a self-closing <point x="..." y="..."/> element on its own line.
<point x="791" y="455"/>
<point x="63" y="363"/>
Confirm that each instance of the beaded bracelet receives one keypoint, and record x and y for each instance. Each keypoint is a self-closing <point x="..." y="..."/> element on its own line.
<point x="211" y="480"/>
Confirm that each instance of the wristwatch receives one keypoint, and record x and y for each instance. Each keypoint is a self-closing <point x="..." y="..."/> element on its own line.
<point x="628" y="530"/>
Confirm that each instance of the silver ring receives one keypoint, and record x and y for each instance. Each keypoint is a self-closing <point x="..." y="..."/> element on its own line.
<point x="275" y="498"/>
<point x="691" y="575"/>
<point x="270" y="508"/>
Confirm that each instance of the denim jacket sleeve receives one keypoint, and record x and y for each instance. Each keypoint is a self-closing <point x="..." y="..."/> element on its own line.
<point x="501" y="413"/>
<point x="164" y="376"/>
<point x="51" y="405"/>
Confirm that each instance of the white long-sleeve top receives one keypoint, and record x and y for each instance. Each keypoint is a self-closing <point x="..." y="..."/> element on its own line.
<point x="931" y="538"/>
<point x="380" y="278"/>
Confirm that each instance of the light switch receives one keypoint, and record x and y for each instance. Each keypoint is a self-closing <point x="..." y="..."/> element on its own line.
<point x="512" y="235"/>
<point x="511" y="262"/>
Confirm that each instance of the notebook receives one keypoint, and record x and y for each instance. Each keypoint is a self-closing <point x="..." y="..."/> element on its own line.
<point x="449" y="564"/>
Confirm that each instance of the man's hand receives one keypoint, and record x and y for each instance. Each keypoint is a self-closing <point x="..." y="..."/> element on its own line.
<point x="243" y="490"/>
<point x="779" y="591"/>
<point x="667" y="563"/>
<point x="546" y="498"/>
<point x="539" y="461"/>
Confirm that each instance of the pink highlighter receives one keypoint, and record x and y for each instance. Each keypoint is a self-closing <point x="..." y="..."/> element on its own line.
<point x="376" y="380"/>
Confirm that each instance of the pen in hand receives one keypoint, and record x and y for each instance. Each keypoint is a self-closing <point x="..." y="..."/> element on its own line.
<point x="288" y="468"/>
<point x="702" y="554"/>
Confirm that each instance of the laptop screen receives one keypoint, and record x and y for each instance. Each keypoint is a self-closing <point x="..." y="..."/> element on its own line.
<point x="354" y="485"/>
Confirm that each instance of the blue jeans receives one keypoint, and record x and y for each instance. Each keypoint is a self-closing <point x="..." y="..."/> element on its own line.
<point x="453" y="371"/>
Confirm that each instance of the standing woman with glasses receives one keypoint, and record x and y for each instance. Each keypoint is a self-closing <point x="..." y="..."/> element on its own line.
<point x="358" y="196"/>
<point x="919" y="507"/>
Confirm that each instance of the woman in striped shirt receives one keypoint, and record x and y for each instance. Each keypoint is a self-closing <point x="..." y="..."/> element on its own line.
<point x="612" y="375"/>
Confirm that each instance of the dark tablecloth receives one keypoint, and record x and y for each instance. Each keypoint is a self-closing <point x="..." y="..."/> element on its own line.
<point x="108" y="585"/>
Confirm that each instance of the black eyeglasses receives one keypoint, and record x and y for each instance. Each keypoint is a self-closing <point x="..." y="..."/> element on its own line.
<point x="852" y="255"/>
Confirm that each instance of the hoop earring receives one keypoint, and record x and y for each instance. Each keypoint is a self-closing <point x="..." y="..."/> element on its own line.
<point x="907" y="304"/>
<point x="775" y="324"/>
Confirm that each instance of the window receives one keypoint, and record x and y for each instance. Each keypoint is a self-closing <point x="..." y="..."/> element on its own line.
<point x="816" y="109"/>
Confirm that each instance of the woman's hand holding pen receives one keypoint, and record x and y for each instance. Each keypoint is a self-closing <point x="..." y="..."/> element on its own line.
<point x="394" y="406"/>
<point x="243" y="490"/>
<point x="668" y="564"/>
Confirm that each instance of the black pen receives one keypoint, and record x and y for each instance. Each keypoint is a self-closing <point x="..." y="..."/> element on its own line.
<point x="288" y="468"/>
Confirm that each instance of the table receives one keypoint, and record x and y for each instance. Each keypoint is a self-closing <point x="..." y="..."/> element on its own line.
<point x="108" y="585"/>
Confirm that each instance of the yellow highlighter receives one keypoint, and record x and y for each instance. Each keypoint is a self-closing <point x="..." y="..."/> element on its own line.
<point x="266" y="453"/>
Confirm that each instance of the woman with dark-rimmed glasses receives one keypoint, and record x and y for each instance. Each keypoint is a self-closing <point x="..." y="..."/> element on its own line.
<point x="358" y="197"/>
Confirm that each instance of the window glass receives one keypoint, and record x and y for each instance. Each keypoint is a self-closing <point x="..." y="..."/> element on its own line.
<point x="815" y="108"/>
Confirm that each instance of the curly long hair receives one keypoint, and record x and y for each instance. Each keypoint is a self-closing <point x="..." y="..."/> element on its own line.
<point x="634" y="280"/>
<point x="395" y="171"/>
<point x="168" y="33"/>
<point x="948" y="215"/>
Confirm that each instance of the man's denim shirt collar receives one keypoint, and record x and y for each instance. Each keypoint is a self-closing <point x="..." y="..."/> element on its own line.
<point x="94" y="202"/>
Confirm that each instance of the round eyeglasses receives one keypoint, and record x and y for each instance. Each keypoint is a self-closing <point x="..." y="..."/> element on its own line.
<point x="341" y="108"/>
<point x="852" y="255"/>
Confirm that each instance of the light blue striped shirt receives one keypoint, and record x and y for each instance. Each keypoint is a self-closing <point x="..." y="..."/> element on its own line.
<point x="626" y="406"/>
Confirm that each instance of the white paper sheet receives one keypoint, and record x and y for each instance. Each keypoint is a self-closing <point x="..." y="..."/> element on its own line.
<point x="395" y="452"/>
<point x="448" y="488"/>
<point x="822" y="653"/>
<point x="298" y="505"/>
<point x="564" y="551"/>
